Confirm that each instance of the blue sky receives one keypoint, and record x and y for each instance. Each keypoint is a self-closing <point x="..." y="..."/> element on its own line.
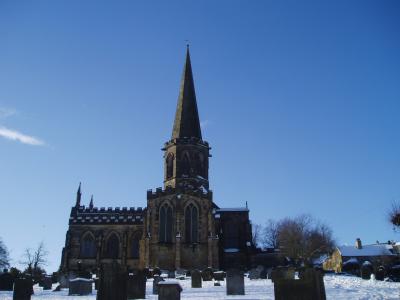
<point x="299" y="100"/>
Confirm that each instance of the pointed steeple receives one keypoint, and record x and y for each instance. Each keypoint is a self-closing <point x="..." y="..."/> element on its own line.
<point x="78" y="196"/>
<point x="187" y="123"/>
<point x="91" y="202"/>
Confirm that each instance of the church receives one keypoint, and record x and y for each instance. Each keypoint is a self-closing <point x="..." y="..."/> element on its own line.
<point x="181" y="227"/>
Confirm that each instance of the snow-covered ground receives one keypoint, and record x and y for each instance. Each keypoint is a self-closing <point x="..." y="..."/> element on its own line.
<point x="337" y="287"/>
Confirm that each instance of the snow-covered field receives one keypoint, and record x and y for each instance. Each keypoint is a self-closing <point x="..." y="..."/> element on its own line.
<point x="337" y="287"/>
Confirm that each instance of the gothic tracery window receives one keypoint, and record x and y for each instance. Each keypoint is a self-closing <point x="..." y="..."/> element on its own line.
<point x="88" y="246"/>
<point x="170" y="165"/>
<point x="191" y="224"/>
<point x="165" y="224"/>
<point x="112" y="246"/>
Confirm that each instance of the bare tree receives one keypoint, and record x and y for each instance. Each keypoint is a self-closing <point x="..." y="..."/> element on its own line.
<point x="256" y="230"/>
<point x="302" y="238"/>
<point x="270" y="234"/>
<point x="4" y="255"/>
<point x="394" y="215"/>
<point x="35" y="260"/>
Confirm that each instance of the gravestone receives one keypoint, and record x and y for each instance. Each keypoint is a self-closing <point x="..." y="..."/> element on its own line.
<point x="366" y="270"/>
<point x="196" y="279"/>
<point x="207" y="274"/>
<point x="80" y="286"/>
<point x="169" y="290"/>
<point x="255" y="273"/>
<point x="219" y="275"/>
<point x="22" y="289"/>
<point x="282" y="273"/>
<point x="156" y="280"/>
<point x="47" y="283"/>
<point x="217" y="283"/>
<point x="310" y="286"/>
<point x="6" y="281"/>
<point x="157" y="271"/>
<point x="112" y="282"/>
<point x="171" y="274"/>
<point x="380" y="273"/>
<point x="234" y="282"/>
<point x="96" y="283"/>
<point x="136" y="285"/>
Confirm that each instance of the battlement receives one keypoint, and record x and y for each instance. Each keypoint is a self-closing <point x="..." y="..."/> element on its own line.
<point x="160" y="192"/>
<point x="110" y="215"/>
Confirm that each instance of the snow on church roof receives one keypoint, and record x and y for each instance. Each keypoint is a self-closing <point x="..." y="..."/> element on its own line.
<point x="367" y="250"/>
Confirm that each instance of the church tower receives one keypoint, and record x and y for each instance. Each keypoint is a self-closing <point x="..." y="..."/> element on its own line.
<point x="186" y="154"/>
<point x="180" y="226"/>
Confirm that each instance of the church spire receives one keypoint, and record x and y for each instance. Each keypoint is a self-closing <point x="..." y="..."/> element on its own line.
<point x="91" y="202"/>
<point x="78" y="196"/>
<point x="187" y="123"/>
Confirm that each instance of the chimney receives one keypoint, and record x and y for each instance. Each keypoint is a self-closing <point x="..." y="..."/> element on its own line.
<point x="358" y="243"/>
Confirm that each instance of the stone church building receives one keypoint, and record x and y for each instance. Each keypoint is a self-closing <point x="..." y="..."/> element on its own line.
<point x="181" y="227"/>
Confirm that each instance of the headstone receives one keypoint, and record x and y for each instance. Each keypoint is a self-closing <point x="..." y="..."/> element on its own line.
<point x="207" y="274"/>
<point x="380" y="273"/>
<point x="217" y="283"/>
<point x="157" y="271"/>
<point x="6" y="281"/>
<point x="156" y="280"/>
<point x="366" y="270"/>
<point x="196" y="279"/>
<point x="80" y="286"/>
<point x="57" y="289"/>
<point x="219" y="275"/>
<point x="171" y="274"/>
<point x="234" y="282"/>
<point x="96" y="283"/>
<point x="22" y="289"/>
<point x="136" y="285"/>
<point x="47" y="283"/>
<point x="255" y="273"/>
<point x="112" y="284"/>
<point x="310" y="286"/>
<point x="169" y="290"/>
<point x="282" y="273"/>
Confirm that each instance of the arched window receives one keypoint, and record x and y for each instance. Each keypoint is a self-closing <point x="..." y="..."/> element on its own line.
<point x="165" y="224"/>
<point x="185" y="164"/>
<point x="112" y="247"/>
<point x="191" y="221"/>
<point x="170" y="166"/>
<point x="88" y="246"/>
<point x="135" y="246"/>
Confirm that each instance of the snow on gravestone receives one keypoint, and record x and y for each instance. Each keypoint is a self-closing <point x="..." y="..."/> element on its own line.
<point x="80" y="286"/>
<point x="234" y="282"/>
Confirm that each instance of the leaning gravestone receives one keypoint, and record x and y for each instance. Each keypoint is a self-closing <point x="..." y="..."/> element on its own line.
<point x="196" y="279"/>
<point x="80" y="286"/>
<point x="169" y="290"/>
<point x="157" y="279"/>
<point x="207" y="274"/>
<point x="112" y="283"/>
<point x="6" y="281"/>
<point x="22" y="289"/>
<point x="234" y="282"/>
<point x="136" y="285"/>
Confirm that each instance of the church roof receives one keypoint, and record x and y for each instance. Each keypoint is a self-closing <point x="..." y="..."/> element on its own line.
<point x="187" y="123"/>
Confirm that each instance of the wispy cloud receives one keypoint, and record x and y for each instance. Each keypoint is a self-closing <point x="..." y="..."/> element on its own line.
<point x="20" y="137"/>
<point x="6" y="112"/>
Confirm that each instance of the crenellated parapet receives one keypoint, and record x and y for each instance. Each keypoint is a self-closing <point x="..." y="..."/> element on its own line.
<point x="110" y="215"/>
<point x="199" y="192"/>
